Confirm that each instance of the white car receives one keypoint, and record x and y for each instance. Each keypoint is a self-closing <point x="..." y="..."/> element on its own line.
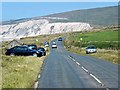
<point x="91" y="49"/>
<point x="54" y="45"/>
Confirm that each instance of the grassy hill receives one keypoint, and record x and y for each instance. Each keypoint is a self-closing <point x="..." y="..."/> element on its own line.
<point x="105" y="16"/>
<point x="98" y="16"/>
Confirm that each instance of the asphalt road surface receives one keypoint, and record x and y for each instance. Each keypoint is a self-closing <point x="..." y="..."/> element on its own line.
<point x="63" y="69"/>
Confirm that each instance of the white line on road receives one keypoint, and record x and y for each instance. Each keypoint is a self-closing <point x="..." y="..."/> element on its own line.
<point x="77" y="63"/>
<point x="36" y="84"/>
<point x="73" y="60"/>
<point x="84" y="69"/>
<point x="96" y="78"/>
<point x="39" y="76"/>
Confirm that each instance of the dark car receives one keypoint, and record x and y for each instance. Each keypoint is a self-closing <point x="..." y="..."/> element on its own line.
<point x="46" y="44"/>
<point x="23" y="51"/>
<point x="42" y="50"/>
<point x="32" y="46"/>
<point x="60" y="39"/>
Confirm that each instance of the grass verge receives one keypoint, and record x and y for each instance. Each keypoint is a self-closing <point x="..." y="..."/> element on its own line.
<point x="108" y="55"/>
<point x="20" y="71"/>
<point x="107" y="46"/>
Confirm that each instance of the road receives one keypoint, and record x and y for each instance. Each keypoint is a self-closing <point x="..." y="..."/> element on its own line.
<point x="63" y="69"/>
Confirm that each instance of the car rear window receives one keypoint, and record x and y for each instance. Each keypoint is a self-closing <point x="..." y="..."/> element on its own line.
<point x="42" y="49"/>
<point x="91" y="47"/>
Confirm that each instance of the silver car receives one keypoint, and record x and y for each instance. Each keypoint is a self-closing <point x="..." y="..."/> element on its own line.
<point x="91" y="49"/>
<point x="54" y="45"/>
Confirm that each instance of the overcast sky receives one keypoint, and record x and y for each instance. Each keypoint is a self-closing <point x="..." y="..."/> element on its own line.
<point x="18" y="10"/>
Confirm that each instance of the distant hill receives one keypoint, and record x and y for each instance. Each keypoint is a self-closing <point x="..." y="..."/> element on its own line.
<point x="77" y="21"/>
<point x="105" y="16"/>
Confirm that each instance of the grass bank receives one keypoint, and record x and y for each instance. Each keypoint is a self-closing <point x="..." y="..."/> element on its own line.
<point x="22" y="71"/>
<point x="106" y="41"/>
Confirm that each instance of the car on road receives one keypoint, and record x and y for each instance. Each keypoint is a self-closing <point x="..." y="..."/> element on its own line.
<point x="91" y="49"/>
<point x="54" y="45"/>
<point x="42" y="50"/>
<point x="60" y="39"/>
<point x="23" y="51"/>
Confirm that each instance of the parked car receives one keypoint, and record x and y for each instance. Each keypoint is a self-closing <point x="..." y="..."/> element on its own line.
<point x="23" y="51"/>
<point x="54" y="45"/>
<point x="60" y="39"/>
<point x="91" y="49"/>
<point x="42" y="50"/>
<point x="46" y="44"/>
<point x="32" y="46"/>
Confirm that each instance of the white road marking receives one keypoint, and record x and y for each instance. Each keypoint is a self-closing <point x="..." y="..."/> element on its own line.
<point x="39" y="76"/>
<point x="73" y="60"/>
<point x="36" y="84"/>
<point x="84" y="69"/>
<point x="78" y="63"/>
<point x="87" y="71"/>
<point x="96" y="78"/>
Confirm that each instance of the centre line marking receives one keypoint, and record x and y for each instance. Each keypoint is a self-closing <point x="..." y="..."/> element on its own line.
<point x="96" y="78"/>
<point x="84" y="69"/>
<point x="77" y="63"/>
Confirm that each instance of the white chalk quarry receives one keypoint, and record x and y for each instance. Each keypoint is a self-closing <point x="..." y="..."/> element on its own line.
<point x="40" y="27"/>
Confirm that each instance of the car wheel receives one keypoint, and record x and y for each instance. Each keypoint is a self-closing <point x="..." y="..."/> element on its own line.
<point x="87" y="53"/>
<point x="12" y="54"/>
<point x="42" y="54"/>
<point x="35" y="54"/>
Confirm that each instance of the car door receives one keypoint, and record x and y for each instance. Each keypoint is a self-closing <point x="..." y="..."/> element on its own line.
<point x="17" y="51"/>
<point x="25" y="51"/>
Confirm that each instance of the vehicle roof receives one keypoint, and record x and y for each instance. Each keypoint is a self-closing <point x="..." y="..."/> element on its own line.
<point x="20" y="46"/>
<point x="32" y="45"/>
<point x="91" y="46"/>
<point x="40" y="48"/>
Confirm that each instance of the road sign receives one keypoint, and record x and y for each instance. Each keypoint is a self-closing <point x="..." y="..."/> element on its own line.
<point x="36" y="40"/>
<point x="81" y="39"/>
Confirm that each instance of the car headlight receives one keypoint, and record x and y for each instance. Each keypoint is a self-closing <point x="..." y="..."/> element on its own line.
<point x="37" y="52"/>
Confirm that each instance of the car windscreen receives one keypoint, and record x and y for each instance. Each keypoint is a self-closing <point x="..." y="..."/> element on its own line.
<point x="91" y="47"/>
<point x="41" y="49"/>
<point x="54" y="43"/>
<point x="32" y="46"/>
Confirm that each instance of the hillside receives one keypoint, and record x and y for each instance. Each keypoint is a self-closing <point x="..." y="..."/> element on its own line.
<point x="98" y="16"/>
<point x="105" y="16"/>
<point x="73" y="21"/>
<point x="39" y="27"/>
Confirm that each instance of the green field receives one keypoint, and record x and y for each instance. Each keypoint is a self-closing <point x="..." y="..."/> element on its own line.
<point x="98" y="36"/>
<point x="106" y="39"/>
